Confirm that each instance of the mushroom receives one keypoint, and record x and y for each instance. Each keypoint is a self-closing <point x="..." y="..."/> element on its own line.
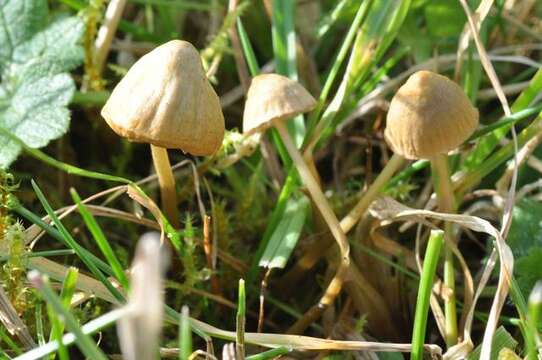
<point x="166" y="100"/>
<point x="271" y="100"/>
<point x="429" y="116"/>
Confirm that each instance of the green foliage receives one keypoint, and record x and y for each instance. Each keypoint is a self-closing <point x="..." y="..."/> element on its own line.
<point x="528" y="269"/>
<point x="502" y="340"/>
<point x="525" y="239"/>
<point x="35" y="55"/>
<point x="444" y="18"/>
<point x="286" y="234"/>
<point x="12" y="244"/>
<point x="526" y="230"/>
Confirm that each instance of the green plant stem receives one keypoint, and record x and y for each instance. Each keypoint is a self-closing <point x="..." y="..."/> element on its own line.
<point x="446" y="203"/>
<point x="241" y="312"/>
<point x="424" y="292"/>
<point x="185" y="335"/>
<point x="269" y="354"/>
<point x="166" y="180"/>
<point x="90" y="98"/>
<point x="70" y="169"/>
<point x="351" y="219"/>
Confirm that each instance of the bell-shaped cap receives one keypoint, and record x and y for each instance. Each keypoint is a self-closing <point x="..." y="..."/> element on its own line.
<point x="166" y="100"/>
<point x="429" y="115"/>
<point x="273" y="97"/>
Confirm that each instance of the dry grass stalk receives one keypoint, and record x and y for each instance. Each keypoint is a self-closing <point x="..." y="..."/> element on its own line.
<point x="139" y="331"/>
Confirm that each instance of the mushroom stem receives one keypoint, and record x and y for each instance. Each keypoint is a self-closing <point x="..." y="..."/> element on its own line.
<point x="166" y="181"/>
<point x="446" y="203"/>
<point x="329" y="216"/>
<point x="393" y="165"/>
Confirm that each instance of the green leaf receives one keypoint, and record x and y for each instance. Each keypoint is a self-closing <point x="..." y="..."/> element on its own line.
<point x="19" y="21"/>
<point x="34" y="59"/>
<point x="501" y="340"/>
<point x="526" y="230"/>
<point x="286" y="234"/>
<point x="444" y="18"/>
<point x="525" y="240"/>
<point x="528" y="270"/>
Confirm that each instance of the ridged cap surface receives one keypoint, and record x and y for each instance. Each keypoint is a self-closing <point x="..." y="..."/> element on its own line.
<point x="273" y="97"/>
<point x="429" y="115"/>
<point x="166" y="100"/>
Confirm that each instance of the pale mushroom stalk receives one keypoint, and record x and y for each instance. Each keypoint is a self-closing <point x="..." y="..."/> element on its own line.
<point x="166" y="181"/>
<point x="272" y="100"/>
<point x="446" y="203"/>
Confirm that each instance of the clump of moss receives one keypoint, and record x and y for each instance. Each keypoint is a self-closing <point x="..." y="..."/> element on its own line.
<point x="12" y="245"/>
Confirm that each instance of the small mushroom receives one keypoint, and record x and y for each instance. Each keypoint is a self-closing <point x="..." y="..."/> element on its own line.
<point x="271" y="100"/>
<point x="429" y="116"/>
<point x="166" y="100"/>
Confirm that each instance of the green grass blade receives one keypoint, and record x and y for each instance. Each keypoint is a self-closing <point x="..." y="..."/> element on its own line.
<point x="431" y="258"/>
<point x="327" y="22"/>
<point x="248" y="51"/>
<point x="83" y="341"/>
<point x="498" y="157"/>
<point x="240" y="321"/>
<point x="185" y="335"/>
<point x="286" y="234"/>
<point x="339" y="60"/>
<point x="56" y="335"/>
<point x="69" y="285"/>
<point x="487" y="145"/>
<point x="9" y="342"/>
<point x="47" y="253"/>
<point x="284" y="49"/>
<point x="290" y="185"/>
<point x="283" y="33"/>
<point x="91" y="327"/>
<point x="35" y="219"/>
<point x="101" y="240"/>
<point x="70" y="241"/>
<point x="39" y="325"/>
<point x="269" y="354"/>
<point x="380" y="27"/>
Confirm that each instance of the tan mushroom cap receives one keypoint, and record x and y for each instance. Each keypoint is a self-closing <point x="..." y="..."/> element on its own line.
<point x="429" y="115"/>
<point x="166" y="100"/>
<point x="273" y="97"/>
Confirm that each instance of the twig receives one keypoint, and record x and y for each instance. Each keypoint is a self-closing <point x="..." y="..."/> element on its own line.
<point x="107" y="32"/>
